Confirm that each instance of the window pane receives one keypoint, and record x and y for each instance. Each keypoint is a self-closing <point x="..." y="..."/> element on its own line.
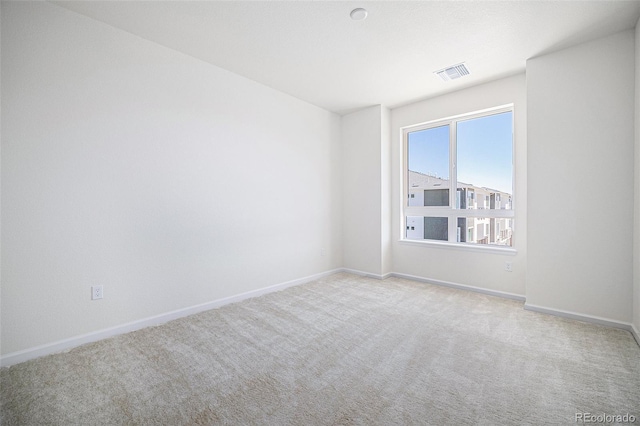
<point x="496" y="231"/>
<point x="415" y="228"/>
<point x="436" y="197"/>
<point x="427" y="228"/>
<point x="485" y="162"/>
<point x="428" y="160"/>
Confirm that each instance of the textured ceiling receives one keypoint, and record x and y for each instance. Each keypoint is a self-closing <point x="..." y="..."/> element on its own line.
<point x="312" y="49"/>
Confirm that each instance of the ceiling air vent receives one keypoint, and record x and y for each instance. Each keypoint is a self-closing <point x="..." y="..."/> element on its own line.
<point x="453" y="72"/>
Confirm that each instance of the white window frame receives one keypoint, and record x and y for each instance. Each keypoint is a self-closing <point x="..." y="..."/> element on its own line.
<point x="450" y="211"/>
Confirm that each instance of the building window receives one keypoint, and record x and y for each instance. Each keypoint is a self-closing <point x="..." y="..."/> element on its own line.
<point x="459" y="179"/>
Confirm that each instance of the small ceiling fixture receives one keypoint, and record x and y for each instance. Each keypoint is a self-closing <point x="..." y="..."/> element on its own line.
<point x="359" y="14"/>
<point x="453" y="72"/>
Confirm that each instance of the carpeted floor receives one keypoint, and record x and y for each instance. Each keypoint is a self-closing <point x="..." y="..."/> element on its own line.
<point x="342" y="350"/>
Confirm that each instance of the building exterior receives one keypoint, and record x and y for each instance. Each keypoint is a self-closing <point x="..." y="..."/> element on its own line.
<point x="430" y="190"/>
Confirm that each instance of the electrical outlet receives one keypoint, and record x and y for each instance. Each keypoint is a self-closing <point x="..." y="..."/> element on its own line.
<point x="508" y="267"/>
<point x="96" y="292"/>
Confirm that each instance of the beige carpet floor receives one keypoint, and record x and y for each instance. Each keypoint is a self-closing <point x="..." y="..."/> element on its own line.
<point x="339" y="351"/>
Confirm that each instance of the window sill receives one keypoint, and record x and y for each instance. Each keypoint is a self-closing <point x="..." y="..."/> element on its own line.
<point x="464" y="247"/>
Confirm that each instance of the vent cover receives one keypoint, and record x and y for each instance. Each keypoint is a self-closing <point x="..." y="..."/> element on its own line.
<point x="453" y="72"/>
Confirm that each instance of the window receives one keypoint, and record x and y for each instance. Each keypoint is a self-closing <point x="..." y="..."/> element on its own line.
<point x="458" y="182"/>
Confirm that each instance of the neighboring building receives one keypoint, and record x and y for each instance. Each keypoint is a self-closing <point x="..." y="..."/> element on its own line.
<point x="430" y="190"/>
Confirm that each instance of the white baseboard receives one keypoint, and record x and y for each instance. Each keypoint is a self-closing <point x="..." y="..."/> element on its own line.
<point x="497" y="293"/>
<point x="557" y="312"/>
<point x="584" y="318"/>
<point x="635" y="333"/>
<point x="72" y="342"/>
<point x="367" y="274"/>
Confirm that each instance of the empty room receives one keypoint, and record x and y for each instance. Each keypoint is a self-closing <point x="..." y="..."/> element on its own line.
<point x="320" y="212"/>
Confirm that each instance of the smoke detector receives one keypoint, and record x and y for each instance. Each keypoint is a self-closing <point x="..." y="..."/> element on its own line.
<point x="453" y="72"/>
<point x="359" y="14"/>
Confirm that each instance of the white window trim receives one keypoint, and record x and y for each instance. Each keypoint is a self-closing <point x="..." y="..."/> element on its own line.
<point x="448" y="211"/>
<point x="481" y="248"/>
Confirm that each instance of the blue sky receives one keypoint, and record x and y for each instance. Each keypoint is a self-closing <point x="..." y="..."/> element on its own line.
<point x="484" y="151"/>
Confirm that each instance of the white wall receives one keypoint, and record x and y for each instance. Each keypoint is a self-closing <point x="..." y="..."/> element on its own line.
<point x="363" y="235"/>
<point x="636" y="233"/>
<point x="580" y="161"/>
<point x="385" y="168"/>
<point x="455" y="265"/>
<point x="168" y="181"/>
